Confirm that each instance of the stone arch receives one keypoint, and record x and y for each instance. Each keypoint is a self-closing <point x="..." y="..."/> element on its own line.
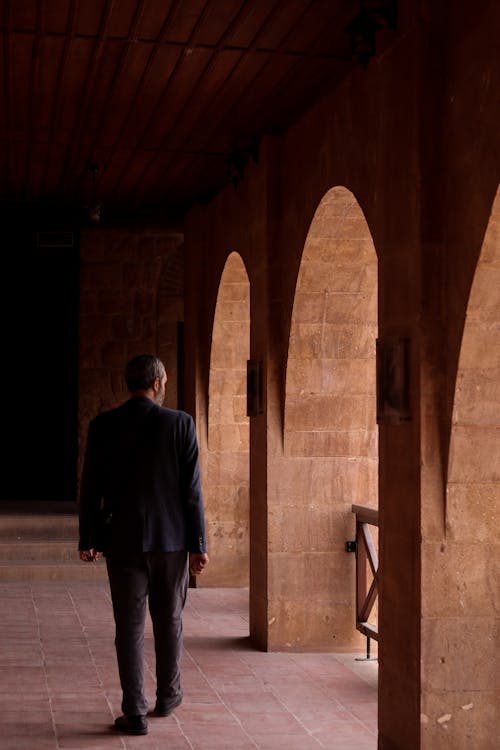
<point x="330" y="430"/>
<point x="227" y="494"/>
<point x="461" y="640"/>
<point x="476" y="411"/>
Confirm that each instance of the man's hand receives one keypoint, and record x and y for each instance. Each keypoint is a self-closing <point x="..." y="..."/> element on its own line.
<point x="89" y="555"/>
<point x="197" y="562"/>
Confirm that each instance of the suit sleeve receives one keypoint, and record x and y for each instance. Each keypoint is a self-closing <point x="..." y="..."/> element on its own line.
<point x="91" y="490"/>
<point x="193" y="499"/>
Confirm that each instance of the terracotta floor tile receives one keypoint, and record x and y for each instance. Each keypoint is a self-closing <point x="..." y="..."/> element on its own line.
<point x="58" y="670"/>
<point x="287" y="742"/>
<point x="224" y="743"/>
<point x="37" y="725"/>
<point x="153" y="742"/>
<point x="63" y="706"/>
<point x="24" y="703"/>
<point x="25" y="742"/>
<point x="15" y="678"/>
<point x="214" y="738"/>
<point x="205" y="714"/>
<point x="98" y="740"/>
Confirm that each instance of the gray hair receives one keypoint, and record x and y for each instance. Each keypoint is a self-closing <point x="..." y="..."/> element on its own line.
<point x="141" y="372"/>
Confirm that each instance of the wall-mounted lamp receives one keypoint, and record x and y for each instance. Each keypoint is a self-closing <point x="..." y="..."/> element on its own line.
<point x="237" y="161"/>
<point x="373" y="16"/>
<point x="94" y="213"/>
<point x="255" y="385"/>
<point x="94" y="209"/>
<point x="393" y="379"/>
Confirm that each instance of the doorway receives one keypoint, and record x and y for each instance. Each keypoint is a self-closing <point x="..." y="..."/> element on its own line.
<point x="39" y="326"/>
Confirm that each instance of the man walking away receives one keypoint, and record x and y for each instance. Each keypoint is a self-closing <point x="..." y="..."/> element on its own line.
<point x="141" y="505"/>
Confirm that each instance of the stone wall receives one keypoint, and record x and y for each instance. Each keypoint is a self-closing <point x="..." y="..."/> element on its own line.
<point x="330" y="451"/>
<point x="415" y="141"/>
<point x="225" y="483"/>
<point x="131" y="298"/>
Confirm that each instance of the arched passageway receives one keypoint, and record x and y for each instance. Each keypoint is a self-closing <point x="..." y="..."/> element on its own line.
<point x="227" y="485"/>
<point x="461" y="630"/>
<point x="330" y="438"/>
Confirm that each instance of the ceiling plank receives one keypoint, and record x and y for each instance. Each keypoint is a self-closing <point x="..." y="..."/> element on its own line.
<point x="274" y="68"/>
<point x="62" y="72"/>
<point x="155" y="93"/>
<point x="33" y="99"/>
<point x="6" y="109"/>
<point x="87" y="100"/>
<point x="164" y="102"/>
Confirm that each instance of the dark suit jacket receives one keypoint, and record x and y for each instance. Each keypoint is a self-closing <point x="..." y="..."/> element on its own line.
<point x="141" y="466"/>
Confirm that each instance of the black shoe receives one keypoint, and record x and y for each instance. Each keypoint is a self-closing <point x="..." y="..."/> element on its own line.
<point x="131" y="724"/>
<point x="165" y="708"/>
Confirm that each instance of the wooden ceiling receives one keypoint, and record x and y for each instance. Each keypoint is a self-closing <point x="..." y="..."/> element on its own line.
<point x="140" y="105"/>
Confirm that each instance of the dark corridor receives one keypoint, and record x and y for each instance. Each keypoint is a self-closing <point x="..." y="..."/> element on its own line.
<point x="39" y="314"/>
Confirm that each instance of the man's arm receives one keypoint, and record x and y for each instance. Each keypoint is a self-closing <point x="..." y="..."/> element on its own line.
<point x="90" y="495"/>
<point x="195" y="514"/>
<point x="197" y="562"/>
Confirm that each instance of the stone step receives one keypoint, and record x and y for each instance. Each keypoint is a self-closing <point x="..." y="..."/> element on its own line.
<point x="39" y="550"/>
<point x="39" y="543"/>
<point x="29" y="527"/>
<point x="40" y="571"/>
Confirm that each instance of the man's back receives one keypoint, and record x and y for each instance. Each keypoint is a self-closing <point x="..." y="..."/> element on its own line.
<point x="142" y="459"/>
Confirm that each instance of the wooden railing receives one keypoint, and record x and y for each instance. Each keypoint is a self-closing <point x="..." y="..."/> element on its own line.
<point x="366" y="554"/>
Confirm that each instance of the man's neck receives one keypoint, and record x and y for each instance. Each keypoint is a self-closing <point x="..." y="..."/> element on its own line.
<point x="149" y="393"/>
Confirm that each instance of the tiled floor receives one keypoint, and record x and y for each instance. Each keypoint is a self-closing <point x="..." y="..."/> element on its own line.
<point x="59" y="684"/>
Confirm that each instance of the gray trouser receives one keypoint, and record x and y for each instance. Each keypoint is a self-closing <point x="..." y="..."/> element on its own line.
<point x="163" y="577"/>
